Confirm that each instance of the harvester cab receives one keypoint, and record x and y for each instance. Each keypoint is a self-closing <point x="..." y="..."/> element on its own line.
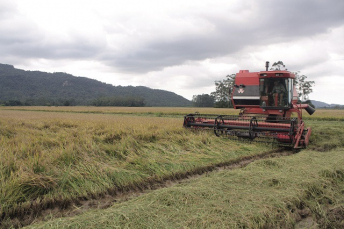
<point x="275" y="92"/>
<point x="269" y="110"/>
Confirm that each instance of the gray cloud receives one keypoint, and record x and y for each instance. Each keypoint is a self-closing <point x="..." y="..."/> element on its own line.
<point x="264" y="23"/>
<point x="270" y="23"/>
<point x="24" y="39"/>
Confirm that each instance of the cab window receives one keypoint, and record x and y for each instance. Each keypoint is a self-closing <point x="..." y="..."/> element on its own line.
<point x="275" y="92"/>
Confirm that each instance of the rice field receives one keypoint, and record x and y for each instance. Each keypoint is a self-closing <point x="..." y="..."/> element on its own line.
<point x="320" y="114"/>
<point x="54" y="156"/>
<point x="304" y="190"/>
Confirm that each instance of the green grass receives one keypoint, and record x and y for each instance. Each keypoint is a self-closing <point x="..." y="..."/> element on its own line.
<point x="326" y="135"/>
<point x="270" y="193"/>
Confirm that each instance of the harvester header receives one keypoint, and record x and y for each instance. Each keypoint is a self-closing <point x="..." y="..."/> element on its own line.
<point x="267" y="100"/>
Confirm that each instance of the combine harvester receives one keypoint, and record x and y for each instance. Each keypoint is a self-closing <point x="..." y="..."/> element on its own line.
<point x="269" y="110"/>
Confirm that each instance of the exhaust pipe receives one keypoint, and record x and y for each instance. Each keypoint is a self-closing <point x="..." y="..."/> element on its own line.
<point x="267" y="65"/>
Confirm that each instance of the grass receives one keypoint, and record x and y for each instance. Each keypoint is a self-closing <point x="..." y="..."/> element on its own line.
<point x="271" y="193"/>
<point x="52" y="157"/>
<point x="325" y="115"/>
<point x="320" y="114"/>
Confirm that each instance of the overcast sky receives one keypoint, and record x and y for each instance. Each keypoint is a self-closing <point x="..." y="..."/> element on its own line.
<point x="180" y="46"/>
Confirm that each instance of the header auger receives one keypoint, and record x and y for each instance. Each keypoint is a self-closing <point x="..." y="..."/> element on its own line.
<point x="267" y="100"/>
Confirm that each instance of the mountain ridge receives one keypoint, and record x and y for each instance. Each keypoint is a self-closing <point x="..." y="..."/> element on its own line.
<point x="59" y="88"/>
<point x="319" y="104"/>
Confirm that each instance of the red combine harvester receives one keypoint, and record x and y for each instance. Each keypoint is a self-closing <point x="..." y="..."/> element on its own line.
<point x="267" y="100"/>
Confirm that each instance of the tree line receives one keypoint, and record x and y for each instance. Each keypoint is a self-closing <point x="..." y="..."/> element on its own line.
<point x="221" y="97"/>
<point x="128" y="101"/>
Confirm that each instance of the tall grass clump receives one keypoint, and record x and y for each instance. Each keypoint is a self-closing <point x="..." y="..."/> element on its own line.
<point x="52" y="158"/>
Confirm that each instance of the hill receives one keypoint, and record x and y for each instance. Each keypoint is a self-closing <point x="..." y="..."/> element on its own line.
<point x="319" y="104"/>
<point x="20" y="87"/>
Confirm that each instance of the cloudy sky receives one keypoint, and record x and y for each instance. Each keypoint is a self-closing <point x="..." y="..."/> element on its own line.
<point x="181" y="45"/>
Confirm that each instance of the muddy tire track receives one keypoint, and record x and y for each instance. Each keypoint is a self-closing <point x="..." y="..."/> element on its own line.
<point x="56" y="208"/>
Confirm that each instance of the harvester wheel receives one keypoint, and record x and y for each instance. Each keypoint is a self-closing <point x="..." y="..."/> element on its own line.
<point x="253" y="124"/>
<point x="218" y="131"/>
